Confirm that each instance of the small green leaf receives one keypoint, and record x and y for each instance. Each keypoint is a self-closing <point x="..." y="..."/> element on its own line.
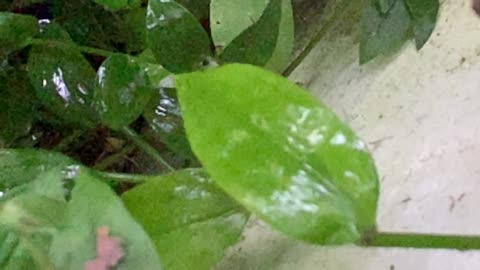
<point x="424" y="15"/>
<point x="176" y="38"/>
<point x="383" y="33"/>
<point x="16" y="31"/>
<point x="122" y="91"/>
<point x="63" y="81"/>
<point x="226" y="23"/>
<point x="94" y="205"/>
<point x="257" y="43"/>
<point x="190" y="220"/>
<point x="283" y="50"/>
<point x="280" y="153"/>
<point x="119" y="4"/>
<point x="156" y="73"/>
<point x="163" y="115"/>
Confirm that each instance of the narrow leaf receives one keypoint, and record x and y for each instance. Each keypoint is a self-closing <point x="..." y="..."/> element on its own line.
<point x="176" y="38"/>
<point x="280" y="153"/>
<point x="63" y="81"/>
<point x="424" y="15"/>
<point x="190" y="220"/>
<point x="257" y="43"/>
<point x="283" y="50"/>
<point x="122" y="91"/>
<point x="383" y="33"/>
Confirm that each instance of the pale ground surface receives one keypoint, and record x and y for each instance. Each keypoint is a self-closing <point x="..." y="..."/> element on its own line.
<point x="420" y="113"/>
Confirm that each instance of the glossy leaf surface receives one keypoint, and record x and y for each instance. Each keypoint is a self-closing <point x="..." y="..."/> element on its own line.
<point x="176" y="38"/>
<point x="63" y="81"/>
<point x="163" y="115"/>
<point x="280" y="153"/>
<point x="227" y="23"/>
<point x="122" y="91"/>
<point x="383" y="33"/>
<point x="283" y="50"/>
<point x="256" y="44"/>
<point x="16" y="31"/>
<point x="190" y="220"/>
<point x="424" y="16"/>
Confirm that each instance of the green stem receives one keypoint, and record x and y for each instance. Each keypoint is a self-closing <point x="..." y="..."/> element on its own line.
<point x="136" y="139"/>
<point x="109" y="161"/>
<point x="429" y="241"/>
<point x="125" y="178"/>
<point x="322" y="31"/>
<point x="83" y="49"/>
<point x="68" y="140"/>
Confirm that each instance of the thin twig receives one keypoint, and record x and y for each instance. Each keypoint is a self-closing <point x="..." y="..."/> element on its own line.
<point x="142" y="144"/>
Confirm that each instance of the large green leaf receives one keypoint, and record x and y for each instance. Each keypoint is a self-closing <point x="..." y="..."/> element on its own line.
<point x="424" y="15"/>
<point x="226" y="22"/>
<point x="94" y="205"/>
<point x="384" y="5"/>
<point x="256" y="44"/>
<point x="279" y="152"/>
<point x="55" y="225"/>
<point x="176" y="38"/>
<point x="190" y="220"/>
<point x="119" y="4"/>
<point x="16" y="31"/>
<point x="122" y="91"/>
<point x="283" y="50"/>
<point x="63" y="81"/>
<point x="383" y="33"/>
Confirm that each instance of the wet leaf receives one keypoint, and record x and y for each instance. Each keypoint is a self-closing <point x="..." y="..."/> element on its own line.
<point x="280" y="153"/>
<point x="156" y="73"/>
<point x="63" y="81"/>
<point x="190" y="220"/>
<point x="122" y="91"/>
<point x="16" y="31"/>
<point x="177" y="39"/>
<point x="283" y="50"/>
<point x="256" y="44"/>
<point x="383" y="33"/>
<point x="424" y="16"/>
<point x="226" y="22"/>
<point x="119" y="4"/>
<point x="74" y="245"/>
<point x="163" y="115"/>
